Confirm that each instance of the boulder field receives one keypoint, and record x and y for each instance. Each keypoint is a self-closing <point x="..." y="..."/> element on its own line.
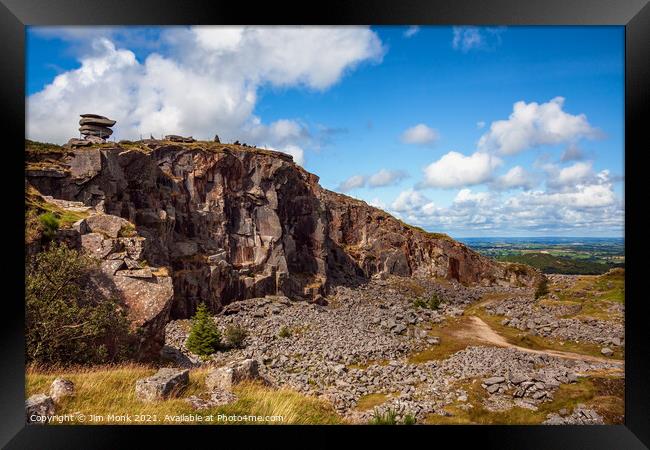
<point x="228" y="222"/>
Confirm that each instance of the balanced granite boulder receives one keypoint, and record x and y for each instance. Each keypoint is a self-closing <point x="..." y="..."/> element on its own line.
<point x="96" y="120"/>
<point x="95" y="128"/>
<point x="166" y="383"/>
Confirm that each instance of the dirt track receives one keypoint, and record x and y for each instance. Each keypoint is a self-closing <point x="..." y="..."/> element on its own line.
<point x="479" y="330"/>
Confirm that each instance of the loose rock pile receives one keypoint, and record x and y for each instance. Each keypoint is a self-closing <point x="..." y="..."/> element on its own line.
<point x="581" y="415"/>
<point x="355" y="347"/>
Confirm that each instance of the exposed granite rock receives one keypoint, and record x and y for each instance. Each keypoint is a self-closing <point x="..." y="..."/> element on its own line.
<point x="276" y="231"/>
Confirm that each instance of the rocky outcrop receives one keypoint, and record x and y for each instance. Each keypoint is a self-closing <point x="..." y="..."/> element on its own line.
<point x="232" y="222"/>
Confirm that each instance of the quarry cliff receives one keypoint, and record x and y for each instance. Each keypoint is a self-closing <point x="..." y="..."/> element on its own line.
<point x="228" y="222"/>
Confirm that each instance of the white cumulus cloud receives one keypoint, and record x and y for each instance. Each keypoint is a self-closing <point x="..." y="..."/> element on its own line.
<point x="516" y="177"/>
<point x="354" y="182"/>
<point x="420" y="134"/>
<point x="409" y="200"/>
<point x="533" y="124"/>
<point x="457" y="170"/>
<point x="386" y="177"/>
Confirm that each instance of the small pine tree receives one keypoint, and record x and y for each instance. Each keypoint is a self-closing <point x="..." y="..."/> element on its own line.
<point x="204" y="336"/>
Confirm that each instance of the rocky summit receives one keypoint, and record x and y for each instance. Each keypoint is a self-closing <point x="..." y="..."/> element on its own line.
<point x="229" y="222"/>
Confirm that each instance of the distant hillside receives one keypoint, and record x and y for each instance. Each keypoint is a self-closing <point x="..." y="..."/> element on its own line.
<point x="556" y="264"/>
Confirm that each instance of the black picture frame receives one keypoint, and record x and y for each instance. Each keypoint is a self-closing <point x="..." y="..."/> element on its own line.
<point x="633" y="14"/>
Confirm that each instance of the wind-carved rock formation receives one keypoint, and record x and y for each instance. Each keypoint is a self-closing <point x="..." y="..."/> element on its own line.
<point x="231" y="223"/>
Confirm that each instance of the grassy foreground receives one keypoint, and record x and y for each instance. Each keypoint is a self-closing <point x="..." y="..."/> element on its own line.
<point x="109" y="392"/>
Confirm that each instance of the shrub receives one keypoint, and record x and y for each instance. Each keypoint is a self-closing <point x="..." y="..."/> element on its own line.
<point x="33" y="227"/>
<point x="235" y="335"/>
<point x="204" y="335"/>
<point x="409" y="420"/>
<point x="67" y="321"/>
<point x="387" y="418"/>
<point x="50" y="224"/>
<point x="127" y="230"/>
<point x="542" y="287"/>
<point x="432" y="303"/>
<point x="285" y="332"/>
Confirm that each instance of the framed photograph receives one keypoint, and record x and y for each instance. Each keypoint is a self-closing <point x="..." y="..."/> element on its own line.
<point x="381" y="215"/>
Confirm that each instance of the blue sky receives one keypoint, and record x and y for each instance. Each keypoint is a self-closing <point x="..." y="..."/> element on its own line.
<point x="470" y="131"/>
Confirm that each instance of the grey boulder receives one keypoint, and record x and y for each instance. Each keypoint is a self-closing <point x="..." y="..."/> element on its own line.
<point x="224" y="378"/>
<point x="38" y="405"/>
<point x="60" y="389"/>
<point x="166" y="383"/>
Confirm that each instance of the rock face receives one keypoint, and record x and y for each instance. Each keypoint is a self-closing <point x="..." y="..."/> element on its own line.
<point x="232" y="223"/>
<point x="164" y="384"/>
<point x="38" y="405"/>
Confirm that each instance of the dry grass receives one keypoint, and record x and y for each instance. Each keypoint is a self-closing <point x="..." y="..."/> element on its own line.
<point x="407" y="286"/>
<point x="111" y="390"/>
<point x="370" y="401"/>
<point x="594" y="294"/>
<point x="34" y="201"/>
<point x="452" y="340"/>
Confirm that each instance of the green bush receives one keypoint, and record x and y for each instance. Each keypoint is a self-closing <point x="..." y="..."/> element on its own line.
<point x="204" y="338"/>
<point x="235" y="335"/>
<point x="285" y="332"/>
<point x="542" y="287"/>
<point x="127" y="230"/>
<point x="67" y="321"/>
<point x="409" y="420"/>
<point x="387" y="418"/>
<point x="432" y="303"/>
<point x="50" y="224"/>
